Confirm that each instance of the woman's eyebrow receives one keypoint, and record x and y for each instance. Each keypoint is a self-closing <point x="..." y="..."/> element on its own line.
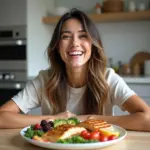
<point x="67" y="31"/>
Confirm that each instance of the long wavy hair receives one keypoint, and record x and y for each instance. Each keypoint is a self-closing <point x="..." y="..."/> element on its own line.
<point x="96" y="92"/>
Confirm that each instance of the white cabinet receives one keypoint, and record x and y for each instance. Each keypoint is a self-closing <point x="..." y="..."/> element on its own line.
<point x="142" y="90"/>
<point x="12" y="12"/>
<point x="36" y="111"/>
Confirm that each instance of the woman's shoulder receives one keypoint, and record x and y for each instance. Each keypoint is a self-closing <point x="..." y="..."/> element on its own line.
<point x="42" y="77"/>
<point x="112" y="76"/>
<point x="44" y="73"/>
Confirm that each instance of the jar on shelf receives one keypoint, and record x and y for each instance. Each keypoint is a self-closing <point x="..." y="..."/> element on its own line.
<point x="98" y="8"/>
<point x="136" y="69"/>
<point x="126" y="69"/>
<point x="132" y="6"/>
<point x="141" y="7"/>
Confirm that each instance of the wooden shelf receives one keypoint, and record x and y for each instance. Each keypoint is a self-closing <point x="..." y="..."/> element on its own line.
<point x="107" y="17"/>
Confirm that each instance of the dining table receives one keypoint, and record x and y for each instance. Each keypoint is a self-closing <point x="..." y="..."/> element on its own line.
<point x="10" y="139"/>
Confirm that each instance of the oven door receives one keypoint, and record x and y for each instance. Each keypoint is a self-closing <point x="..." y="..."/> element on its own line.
<point x="8" y="90"/>
<point x="13" y="50"/>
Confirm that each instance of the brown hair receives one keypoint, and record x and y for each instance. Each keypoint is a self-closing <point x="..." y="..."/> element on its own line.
<point x="97" y="88"/>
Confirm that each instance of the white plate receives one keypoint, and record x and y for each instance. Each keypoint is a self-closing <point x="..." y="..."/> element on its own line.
<point x="50" y="145"/>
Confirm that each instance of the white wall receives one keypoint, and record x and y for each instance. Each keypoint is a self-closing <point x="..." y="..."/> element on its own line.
<point x="12" y="12"/>
<point x="122" y="40"/>
<point x="38" y="35"/>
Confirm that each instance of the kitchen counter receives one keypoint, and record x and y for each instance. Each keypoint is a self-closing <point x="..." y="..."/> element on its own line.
<point x="10" y="139"/>
<point x="137" y="80"/>
<point x="127" y="79"/>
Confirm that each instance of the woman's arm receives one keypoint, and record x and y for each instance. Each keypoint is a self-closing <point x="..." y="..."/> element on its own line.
<point x="11" y="118"/>
<point x="138" y="119"/>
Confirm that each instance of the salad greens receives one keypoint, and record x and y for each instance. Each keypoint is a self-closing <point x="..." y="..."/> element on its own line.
<point x="71" y="120"/>
<point x="76" y="139"/>
<point x="30" y="132"/>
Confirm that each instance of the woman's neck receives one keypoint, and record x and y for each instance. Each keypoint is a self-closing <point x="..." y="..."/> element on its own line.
<point x="77" y="77"/>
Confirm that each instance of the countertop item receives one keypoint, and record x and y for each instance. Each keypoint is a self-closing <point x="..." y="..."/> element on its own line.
<point x="139" y="58"/>
<point x="10" y="140"/>
<point x="147" y="67"/>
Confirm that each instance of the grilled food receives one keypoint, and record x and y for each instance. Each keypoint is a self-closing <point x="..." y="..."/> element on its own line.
<point x="62" y="132"/>
<point x="93" y="124"/>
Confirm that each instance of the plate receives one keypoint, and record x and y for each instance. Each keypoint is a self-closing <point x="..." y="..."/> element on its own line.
<point x="84" y="146"/>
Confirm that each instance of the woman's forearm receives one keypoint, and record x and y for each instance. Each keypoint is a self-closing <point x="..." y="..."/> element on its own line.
<point x="10" y="119"/>
<point x="14" y="120"/>
<point x="139" y="121"/>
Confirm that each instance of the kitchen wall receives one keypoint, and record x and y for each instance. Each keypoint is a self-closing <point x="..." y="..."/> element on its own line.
<point x="121" y="40"/>
<point x="12" y="12"/>
<point x="38" y="34"/>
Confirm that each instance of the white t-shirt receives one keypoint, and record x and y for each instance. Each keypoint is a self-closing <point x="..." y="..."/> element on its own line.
<point x="34" y="95"/>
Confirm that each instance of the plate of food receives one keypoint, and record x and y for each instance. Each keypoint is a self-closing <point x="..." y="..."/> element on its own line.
<point x="73" y="134"/>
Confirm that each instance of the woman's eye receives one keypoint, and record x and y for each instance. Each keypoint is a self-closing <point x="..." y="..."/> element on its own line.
<point x="66" y="37"/>
<point x="83" y="36"/>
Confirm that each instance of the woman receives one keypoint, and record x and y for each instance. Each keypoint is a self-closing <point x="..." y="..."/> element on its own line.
<point x="77" y="83"/>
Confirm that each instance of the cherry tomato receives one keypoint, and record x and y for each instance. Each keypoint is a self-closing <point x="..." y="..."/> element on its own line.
<point x="85" y="134"/>
<point x="112" y="137"/>
<point x="95" y="135"/>
<point x="103" y="138"/>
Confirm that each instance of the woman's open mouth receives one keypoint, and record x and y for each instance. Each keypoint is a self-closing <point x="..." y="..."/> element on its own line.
<point x="75" y="53"/>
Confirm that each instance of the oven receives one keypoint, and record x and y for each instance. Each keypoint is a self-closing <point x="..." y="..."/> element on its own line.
<point x="13" y="61"/>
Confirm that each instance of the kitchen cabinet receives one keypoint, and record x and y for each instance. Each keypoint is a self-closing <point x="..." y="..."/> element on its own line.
<point x="35" y="111"/>
<point x="142" y="90"/>
<point x="107" y="17"/>
<point x="12" y="12"/>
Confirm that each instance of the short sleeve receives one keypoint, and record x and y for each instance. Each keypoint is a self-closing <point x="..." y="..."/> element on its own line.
<point x="119" y="90"/>
<point x="30" y="96"/>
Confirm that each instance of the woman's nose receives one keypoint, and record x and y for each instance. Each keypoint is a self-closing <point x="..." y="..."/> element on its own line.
<point x="75" y="41"/>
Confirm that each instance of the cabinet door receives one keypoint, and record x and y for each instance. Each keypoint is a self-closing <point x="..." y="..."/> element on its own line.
<point x="117" y="111"/>
<point x="35" y="111"/>
<point x="143" y="90"/>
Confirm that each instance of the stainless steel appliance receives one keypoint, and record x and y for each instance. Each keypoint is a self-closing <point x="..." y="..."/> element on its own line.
<point x="13" y="67"/>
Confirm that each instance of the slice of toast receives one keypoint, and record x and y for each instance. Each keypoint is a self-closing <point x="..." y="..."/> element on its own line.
<point x="62" y="132"/>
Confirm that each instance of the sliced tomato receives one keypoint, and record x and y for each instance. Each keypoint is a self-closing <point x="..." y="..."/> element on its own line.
<point x="95" y="135"/>
<point x="112" y="137"/>
<point x="85" y="134"/>
<point x="103" y="138"/>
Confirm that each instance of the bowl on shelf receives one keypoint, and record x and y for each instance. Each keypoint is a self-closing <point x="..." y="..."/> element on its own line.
<point x="113" y="6"/>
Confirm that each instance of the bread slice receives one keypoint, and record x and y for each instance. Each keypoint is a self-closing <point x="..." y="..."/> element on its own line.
<point x="93" y="124"/>
<point x="62" y="132"/>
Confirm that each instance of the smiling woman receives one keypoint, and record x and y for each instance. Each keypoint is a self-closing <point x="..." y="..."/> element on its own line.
<point x="77" y="82"/>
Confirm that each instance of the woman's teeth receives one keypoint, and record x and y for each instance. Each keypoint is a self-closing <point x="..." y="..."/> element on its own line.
<point x="75" y="53"/>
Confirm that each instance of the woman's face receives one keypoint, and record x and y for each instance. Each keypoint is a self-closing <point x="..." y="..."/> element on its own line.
<point x="75" y="45"/>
